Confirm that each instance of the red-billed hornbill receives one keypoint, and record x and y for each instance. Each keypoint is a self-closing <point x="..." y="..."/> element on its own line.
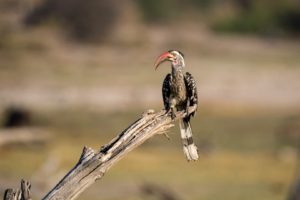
<point x="179" y="91"/>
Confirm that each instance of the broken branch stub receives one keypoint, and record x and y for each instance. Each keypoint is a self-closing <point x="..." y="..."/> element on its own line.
<point x="19" y="194"/>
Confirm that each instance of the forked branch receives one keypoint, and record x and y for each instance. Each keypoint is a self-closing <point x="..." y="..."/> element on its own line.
<point x="19" y="194"/>
<point x="93" y="164"/>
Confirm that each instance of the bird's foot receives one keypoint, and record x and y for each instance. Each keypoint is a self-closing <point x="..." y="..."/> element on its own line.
<point x="187" y="111"/>
<point x="173" y="116"/>
<point x="168" y="110"/>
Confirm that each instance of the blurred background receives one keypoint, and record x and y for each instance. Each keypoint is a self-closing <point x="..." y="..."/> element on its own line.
<point x="78" y="72"/>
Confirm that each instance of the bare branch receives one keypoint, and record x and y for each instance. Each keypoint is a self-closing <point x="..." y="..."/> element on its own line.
<point x="19" y="194"/>
<point x="25" y="188"/>
<point x="12" y="194"/>
<point x="93" y="164"/>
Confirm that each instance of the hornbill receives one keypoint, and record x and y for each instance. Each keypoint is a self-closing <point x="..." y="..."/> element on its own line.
<point x="179" y="91"/>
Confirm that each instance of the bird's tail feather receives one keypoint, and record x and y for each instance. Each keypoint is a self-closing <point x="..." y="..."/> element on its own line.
<point x="189" y="148"/>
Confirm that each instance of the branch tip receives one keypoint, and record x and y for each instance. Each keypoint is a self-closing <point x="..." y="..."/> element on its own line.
<point x="166" y="135"/>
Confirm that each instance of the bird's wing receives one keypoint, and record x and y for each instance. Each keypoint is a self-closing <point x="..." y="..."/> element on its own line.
<point x="191" y="91"/>
<point x="166" y="91"/>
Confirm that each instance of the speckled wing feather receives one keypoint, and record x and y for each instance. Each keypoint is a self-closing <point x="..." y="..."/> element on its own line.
<point x="191" y="91"/>
<point x="166" y="91"/>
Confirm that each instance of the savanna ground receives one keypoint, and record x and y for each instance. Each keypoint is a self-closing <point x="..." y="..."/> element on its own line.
<point x="86" y="95"/>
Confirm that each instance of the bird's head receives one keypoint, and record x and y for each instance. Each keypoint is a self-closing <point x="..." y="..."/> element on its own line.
<point x="176" y="58"/>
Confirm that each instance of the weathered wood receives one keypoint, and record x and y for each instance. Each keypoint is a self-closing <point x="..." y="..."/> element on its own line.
<point x="12" y="194"/>
<point x="25" y="188"/>
<point x="93" y="164"/>
<point x="19" y="194"/>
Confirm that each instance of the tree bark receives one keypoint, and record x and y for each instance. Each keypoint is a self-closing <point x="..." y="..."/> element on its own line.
<point x="93" y="164"/>
<point x="19" y="194"/>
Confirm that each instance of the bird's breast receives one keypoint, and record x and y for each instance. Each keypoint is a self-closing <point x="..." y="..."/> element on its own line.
<point x="178" y="93"/>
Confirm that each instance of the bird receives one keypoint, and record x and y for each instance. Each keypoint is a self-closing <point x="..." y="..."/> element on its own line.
<point x="180" y="91"/>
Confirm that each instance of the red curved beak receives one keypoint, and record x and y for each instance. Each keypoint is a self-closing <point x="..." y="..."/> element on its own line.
<point x="162" y="58"/>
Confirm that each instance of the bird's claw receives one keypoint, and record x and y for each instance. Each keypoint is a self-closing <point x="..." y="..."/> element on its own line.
<point x="187" y="111"/>
<point x="173" y="116"/>
<point x="170" y="110"/>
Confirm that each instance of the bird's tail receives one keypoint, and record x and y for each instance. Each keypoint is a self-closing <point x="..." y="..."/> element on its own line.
<point x="189" y="148"/>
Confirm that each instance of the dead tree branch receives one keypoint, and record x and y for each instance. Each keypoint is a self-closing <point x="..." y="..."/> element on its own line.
<point x="19" y="194"/>
<point x="93" y="164"/>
